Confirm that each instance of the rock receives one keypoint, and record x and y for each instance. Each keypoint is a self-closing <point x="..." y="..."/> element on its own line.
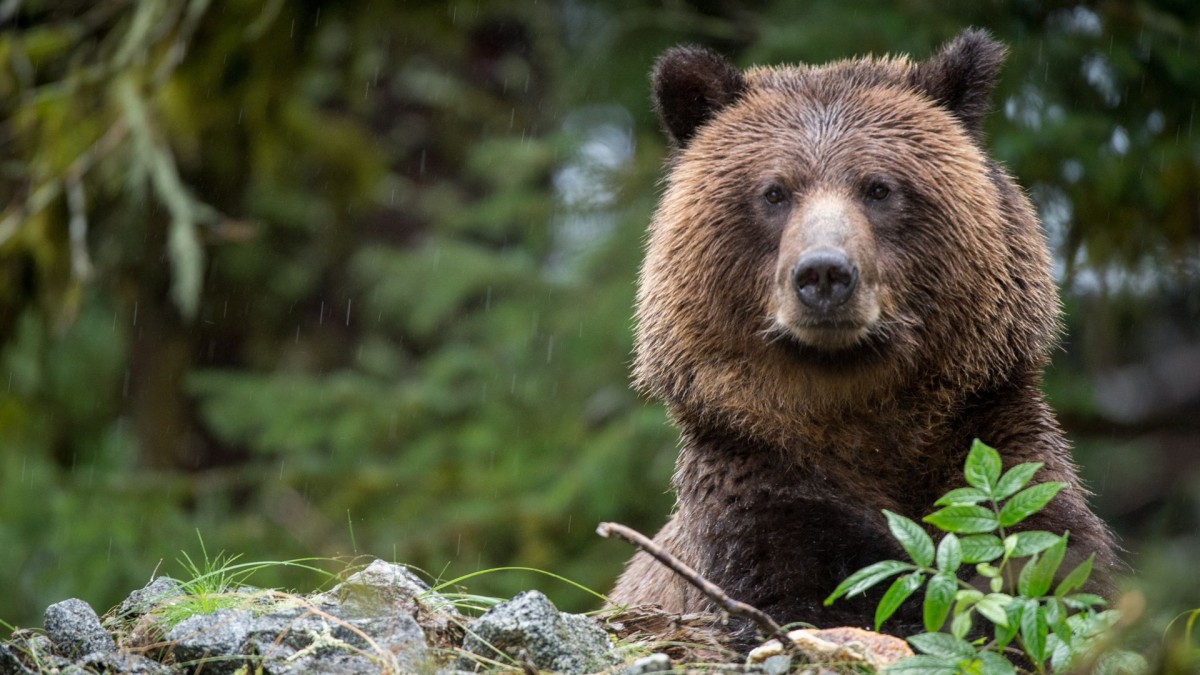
<point x="647" y="665"/>
<point x="10" y="664"/>
<point x="385" y="589"/>
<point x="837" y="648"/>
<point x="528" y="630"/>
<point x="217" y="638"/>
<point x="299" y="641"/>
<point x="152" y="595"/>
<point x="117" y="662"/>
<point x="75" y="629"/>
<point x="381" y="587"/>
<point x="37" y="650"/>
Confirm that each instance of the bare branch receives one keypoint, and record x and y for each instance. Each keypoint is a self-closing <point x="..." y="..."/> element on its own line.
<point x="708" y="588"/>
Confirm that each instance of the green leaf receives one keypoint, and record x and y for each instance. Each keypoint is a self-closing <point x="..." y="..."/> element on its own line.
<point x="961" y="496"/>
<point x="915" y="541"/>
<point x="867" y="577"/>
<point x="961" y="625"/>
<point x="1041" y="570"/>
<point x="1075" y="578"/>
<point x="949" y="553"/>
<point x="925" y="665"/>
<point x="991" y="663"/>
<point x="1026" y="575"/>
<point x="1014" y="479"/>
<point x="1005" y="634"/>
<point x="1033" y="541"/>
<point x="1028" y="502"/>
<point x="981" y="548"/>
<point x="939" y="596"/>
<point x="1121" y="662"/>
<point x="898" y="592"/>
<point x="1082" y="600"/>
<point x="1056" y="618"/>
<point x="966" y="598"/>
<point x="987" y="570"/>
<point x="1033" y="631"/>
<point x="993" y="608"/>
<point x="1060" y="654"/>
<point x="983" y="466"/>
<point x="941" y="644"/>
<point x="963" y="519"/>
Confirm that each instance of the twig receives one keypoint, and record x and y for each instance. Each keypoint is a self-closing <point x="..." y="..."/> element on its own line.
<point x="708" y="588"/>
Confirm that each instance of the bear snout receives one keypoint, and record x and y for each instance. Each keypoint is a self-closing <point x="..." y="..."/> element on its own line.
<point x="824" y="278"/>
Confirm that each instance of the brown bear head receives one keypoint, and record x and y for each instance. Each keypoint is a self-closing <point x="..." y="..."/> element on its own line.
<point x="834" y="238"/>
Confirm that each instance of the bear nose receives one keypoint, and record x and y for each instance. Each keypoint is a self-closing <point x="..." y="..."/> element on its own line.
<point x="824" y="278"/>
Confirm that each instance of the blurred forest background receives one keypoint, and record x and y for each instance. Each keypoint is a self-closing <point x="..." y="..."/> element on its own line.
<point x="348" y="278"/>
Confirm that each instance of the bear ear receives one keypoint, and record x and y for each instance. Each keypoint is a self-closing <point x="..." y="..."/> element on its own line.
<point x="961" y="77"/>
<point x="691" y="85"/>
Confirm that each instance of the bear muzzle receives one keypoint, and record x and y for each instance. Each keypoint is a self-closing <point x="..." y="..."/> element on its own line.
<point x="824" y="279"/>
<point x="825" y="293"/>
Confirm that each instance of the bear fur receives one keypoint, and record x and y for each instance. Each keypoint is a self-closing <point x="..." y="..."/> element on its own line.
<point x="841" y="291"/>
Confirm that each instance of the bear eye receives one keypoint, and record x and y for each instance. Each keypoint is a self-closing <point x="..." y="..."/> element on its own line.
<point x="774" y="195"/>
<point x="878" y="192"/>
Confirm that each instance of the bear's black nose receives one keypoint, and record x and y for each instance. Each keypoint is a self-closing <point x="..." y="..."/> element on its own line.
<point x="824" y="278"/>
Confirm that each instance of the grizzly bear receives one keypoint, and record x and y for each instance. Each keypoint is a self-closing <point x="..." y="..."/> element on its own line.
<point x="841" y="291"/>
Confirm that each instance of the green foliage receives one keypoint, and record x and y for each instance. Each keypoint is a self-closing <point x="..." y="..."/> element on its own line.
<point x="1050" y="631"/>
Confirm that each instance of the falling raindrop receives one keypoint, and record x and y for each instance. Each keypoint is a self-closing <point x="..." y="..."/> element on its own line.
<point x="348" y="303"/>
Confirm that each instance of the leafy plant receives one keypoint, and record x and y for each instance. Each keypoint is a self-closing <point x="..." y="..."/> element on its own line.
<point x="1049" y="625"/>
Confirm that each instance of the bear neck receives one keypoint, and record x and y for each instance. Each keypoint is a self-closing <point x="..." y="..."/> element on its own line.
<point x="866" y="455"/>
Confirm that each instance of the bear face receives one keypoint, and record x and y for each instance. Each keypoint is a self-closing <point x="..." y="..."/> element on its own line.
<point x="834" y="237"/>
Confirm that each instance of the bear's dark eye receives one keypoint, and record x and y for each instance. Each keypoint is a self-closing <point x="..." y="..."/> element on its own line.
<point x="878" y="192"/>
<point x="774" y="195"/>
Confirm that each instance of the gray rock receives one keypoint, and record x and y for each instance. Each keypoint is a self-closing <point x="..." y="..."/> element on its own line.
<point x="37" y="649"/>
<point x="117" y="662"/>
<point x="152" y="595"/>
<point x="217" y="639"/>
<point x="292" y="638"/>
<point x="648" y="665"/>
<point x="529" y="630"/>
<point x="10" y="664"/>
<point x="75" y="629"/>
<point x="381" y="587"/>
